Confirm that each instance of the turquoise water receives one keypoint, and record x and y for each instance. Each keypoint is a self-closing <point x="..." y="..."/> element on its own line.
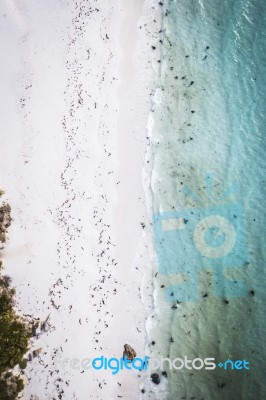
<point x="208" y="155"/>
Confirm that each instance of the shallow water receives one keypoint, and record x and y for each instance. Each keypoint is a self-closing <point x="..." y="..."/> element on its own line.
<point x="208" y="191"/>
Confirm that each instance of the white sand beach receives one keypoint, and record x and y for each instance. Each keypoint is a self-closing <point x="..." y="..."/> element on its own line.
<point x="77" y="79"/>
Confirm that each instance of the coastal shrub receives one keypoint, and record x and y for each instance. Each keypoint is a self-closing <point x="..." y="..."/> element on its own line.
<point x="14" y="339"/>
<point x="10" y="386"/>
<point x="14" y="330"/>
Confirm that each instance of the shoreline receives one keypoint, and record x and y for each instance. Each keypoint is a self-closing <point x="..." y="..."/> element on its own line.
<point x="130" y="214"/>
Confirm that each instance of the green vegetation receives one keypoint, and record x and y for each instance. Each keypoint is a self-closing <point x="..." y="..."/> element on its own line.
<point x="10" y="386"/>
<point x="14" y="332"/>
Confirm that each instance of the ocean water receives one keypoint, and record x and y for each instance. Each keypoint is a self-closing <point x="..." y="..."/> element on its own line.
<point x="208" y="191"/>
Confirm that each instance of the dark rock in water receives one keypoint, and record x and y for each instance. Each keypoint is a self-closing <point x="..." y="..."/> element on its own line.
<point x="221" y="385"/>
<point x="155" y="378"/>
<point x="129" y="352"/>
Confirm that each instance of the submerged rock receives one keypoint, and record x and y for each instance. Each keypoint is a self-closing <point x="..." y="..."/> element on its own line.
<point x="155" y="378"/>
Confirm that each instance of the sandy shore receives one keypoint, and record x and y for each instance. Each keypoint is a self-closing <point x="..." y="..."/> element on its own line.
<point x="76" y="85"/>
